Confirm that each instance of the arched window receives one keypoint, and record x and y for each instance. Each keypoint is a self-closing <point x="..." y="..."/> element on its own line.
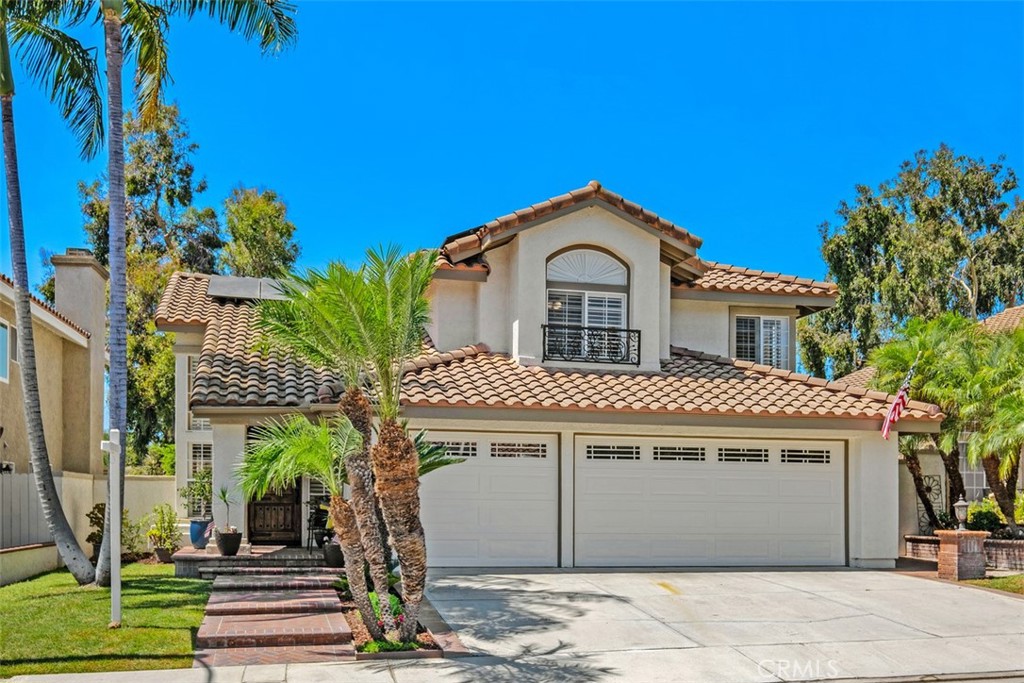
<point x="587" y="307"/>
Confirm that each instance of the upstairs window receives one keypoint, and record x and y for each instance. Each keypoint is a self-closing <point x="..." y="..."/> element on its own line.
<point x="763" y="339"/>
<point x="588" y="309"/>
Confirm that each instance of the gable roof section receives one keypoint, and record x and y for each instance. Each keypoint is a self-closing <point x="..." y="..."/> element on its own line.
<point x="468" y="243"/>
<point x="185" y="301"/>
<point x="859" y="378"/>
<point x="41" y="306"/>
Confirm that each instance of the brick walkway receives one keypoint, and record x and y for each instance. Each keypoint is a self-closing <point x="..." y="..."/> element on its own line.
<point x="274" y="618"/>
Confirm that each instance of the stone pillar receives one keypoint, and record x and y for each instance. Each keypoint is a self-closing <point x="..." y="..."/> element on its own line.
<point x="961" y="554"/>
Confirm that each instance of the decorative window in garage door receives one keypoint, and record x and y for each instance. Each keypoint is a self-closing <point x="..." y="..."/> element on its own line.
<point x="731" y="454"/>
<point x="806" y="456"/>
<point x="459" y="449"/>
<point x="518" y="449"/>
<point x="606" y="452"/>
<point x="679" y="453"/>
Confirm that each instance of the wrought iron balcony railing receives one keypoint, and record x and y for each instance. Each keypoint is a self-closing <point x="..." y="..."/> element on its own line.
<point x="573" y="343"/>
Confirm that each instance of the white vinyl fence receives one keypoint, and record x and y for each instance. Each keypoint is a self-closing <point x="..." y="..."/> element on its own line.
<point x="21" y="516"/>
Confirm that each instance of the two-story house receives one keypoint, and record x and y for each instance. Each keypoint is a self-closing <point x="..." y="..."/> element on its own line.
<point x="619" y="401"/>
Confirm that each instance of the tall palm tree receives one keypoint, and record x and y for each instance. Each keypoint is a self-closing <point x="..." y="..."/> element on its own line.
<point x="70" y="74"/>
<point x="385" y="308"/>
<point x="143" y="26"/>
<point x="282" y="452"/>
<point x="305" y="325"/>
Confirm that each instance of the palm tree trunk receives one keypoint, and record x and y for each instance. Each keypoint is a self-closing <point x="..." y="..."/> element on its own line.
<point x="1012" y="480"/>
<point x="56" y="521"/>
<point x="954" y="479"/>
<point x="348" y="533"/>
<point x="396" y="471"/>
<point x="914" y="467"/>
<point x="990" y="463"/>
<point x="364" y="502"/>
<point x="118" y="340"/>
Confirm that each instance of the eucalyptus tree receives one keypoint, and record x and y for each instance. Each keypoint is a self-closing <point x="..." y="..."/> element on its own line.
<point x="138" y="29"/>
<point x="70" y="75"/>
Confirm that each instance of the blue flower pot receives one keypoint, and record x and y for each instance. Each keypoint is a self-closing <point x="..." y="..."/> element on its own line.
<point x="197" y="533"/>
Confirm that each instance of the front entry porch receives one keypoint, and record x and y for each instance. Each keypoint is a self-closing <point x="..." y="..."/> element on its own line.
<point x="276" y="519"/>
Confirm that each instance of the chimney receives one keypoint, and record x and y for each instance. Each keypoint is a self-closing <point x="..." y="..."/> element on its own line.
<point x="80" y="293"/>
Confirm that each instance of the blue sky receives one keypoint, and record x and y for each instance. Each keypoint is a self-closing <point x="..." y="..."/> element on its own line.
<point x="745" y="123"/>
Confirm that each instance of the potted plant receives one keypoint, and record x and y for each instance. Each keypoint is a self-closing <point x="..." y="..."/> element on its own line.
<point x="228" y="537"/>
<point x="198" y="495"/>
<point x="333" y="556"/>
<point x="164" y="534"/>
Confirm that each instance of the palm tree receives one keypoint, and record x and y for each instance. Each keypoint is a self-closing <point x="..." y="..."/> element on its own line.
<point x="70" y="74"/>
<point x="144" y="25"/>
<point x="386" y="311"/>
<point x="304" y="325"/>
<point x="941" y="349"/>
<point x="283" y="452"/>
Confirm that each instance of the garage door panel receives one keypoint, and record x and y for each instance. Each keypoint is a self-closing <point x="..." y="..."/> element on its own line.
<point x="497" y="508"/>
<point x="744" y="503"/>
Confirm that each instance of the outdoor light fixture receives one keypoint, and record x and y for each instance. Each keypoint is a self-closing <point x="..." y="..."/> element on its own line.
<point x="960" y="507"/>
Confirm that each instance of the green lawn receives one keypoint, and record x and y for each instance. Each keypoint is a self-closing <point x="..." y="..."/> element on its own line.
<point x="51" y="625"/>
<point x="1010" y="584"/>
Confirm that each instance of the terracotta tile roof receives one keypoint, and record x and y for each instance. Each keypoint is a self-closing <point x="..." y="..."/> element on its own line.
<point x="720" y="277"/>
<point x="185" y="301"/>
<point x="689" y="383"/>
<point x="1006" y="320"/>
<point x="859" y="378"/>
<point x="231" y="373"/>
<point x="469" y="242"/>
<point x="49" y="308"/>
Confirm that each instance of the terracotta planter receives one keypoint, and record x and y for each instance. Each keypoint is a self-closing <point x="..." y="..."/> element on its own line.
<point x="228" y="544"/>
<point x="163" y="554"/>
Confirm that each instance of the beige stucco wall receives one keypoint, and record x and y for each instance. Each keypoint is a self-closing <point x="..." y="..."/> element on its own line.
<point x="493" y="300"/>
<point x="77" y="496"/>
<point x="454" y="307"/>
<point x="701" y="326"/>
<point x="931" y="464"/>
<point x="18" y="565"/>
<point x="141" y="493"/>
<point x="50" y="369"/>
<point x="873" y="494"/>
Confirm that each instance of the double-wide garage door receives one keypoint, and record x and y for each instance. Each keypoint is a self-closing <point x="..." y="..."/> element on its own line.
<point x="637" y="502"/>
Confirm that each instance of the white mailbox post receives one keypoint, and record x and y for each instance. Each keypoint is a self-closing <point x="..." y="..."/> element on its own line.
<point x="113" y="449"/>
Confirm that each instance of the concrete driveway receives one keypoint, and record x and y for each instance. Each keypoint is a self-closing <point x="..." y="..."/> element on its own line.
<point x="734" y="626"/>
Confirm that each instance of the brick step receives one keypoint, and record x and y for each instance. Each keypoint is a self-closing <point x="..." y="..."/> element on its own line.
<point x="267" y="630"/>
<point x="228" y="564"/>
<point x="326" y="571"/>
<point x="282" y="654"/>
<point x="265" y="582"/>
<point x="273" y="602"/>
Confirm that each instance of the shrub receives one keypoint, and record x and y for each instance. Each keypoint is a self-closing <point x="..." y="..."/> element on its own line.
<point x="387" y="646"/>
<point x="198" y="494"/>
<point x="131" y="532"/>
<point x="1018" y="507"/>
<point x="164" y="532"/>
<point x="984" y="515"/>
<point x="946" y="520"/>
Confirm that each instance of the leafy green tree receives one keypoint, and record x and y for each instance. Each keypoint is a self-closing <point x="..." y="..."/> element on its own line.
<point x="68" y="72"/>
<point x="260" y="236"/>
<point x="940" y="236"/>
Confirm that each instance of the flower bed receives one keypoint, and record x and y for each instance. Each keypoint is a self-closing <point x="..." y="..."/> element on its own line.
<point x="999" y="553"/>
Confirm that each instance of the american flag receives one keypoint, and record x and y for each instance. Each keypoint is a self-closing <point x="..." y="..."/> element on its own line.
<point x="899" y="404"/>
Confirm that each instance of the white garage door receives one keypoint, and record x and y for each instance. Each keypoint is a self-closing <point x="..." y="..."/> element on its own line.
<point x="647" y="502"/>
<point x="499" y="507"/>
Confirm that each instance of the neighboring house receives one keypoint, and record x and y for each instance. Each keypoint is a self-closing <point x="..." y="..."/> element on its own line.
<point x="619" y="401"/>
<point x="913" y="519"/>
<point x="69" y="343"/>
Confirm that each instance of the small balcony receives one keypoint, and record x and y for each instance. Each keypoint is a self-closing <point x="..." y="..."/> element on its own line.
<point x="577" y="344"/>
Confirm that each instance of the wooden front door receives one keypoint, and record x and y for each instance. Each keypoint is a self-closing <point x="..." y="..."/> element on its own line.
<point x="276" y="519"/>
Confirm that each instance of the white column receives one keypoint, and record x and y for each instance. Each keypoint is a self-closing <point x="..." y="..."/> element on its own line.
<point x="566" y="496"/>
<point x="873" y="501"/>
<point x="228" y="449"/>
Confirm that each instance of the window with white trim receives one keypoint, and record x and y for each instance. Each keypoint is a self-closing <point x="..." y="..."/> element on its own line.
<point x="200" y="457"/>
<point x="195" y="424"/>
<point x="763" y="339"/>
<point x="975" y="482"/>
<point x="5" y="351"/>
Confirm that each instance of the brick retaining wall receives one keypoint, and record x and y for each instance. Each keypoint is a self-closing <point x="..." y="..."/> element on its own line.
<point x="999" y="554"/>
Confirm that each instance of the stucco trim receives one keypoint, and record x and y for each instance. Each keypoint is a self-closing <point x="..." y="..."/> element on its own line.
<point x="809" y="302"/>
<point x="463" y="275"/>
<point x="48" y="319"/>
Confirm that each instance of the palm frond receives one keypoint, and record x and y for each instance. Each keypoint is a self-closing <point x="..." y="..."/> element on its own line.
<point x="433" y="455"/>
<point x="271" y="21"/>
<point x="144" y="36"/>
<point x="67" y="71"/>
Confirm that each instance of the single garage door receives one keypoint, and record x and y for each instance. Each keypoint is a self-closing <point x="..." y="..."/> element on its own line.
<point x="497" y="508"/>
<point x="682" y="502"/>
